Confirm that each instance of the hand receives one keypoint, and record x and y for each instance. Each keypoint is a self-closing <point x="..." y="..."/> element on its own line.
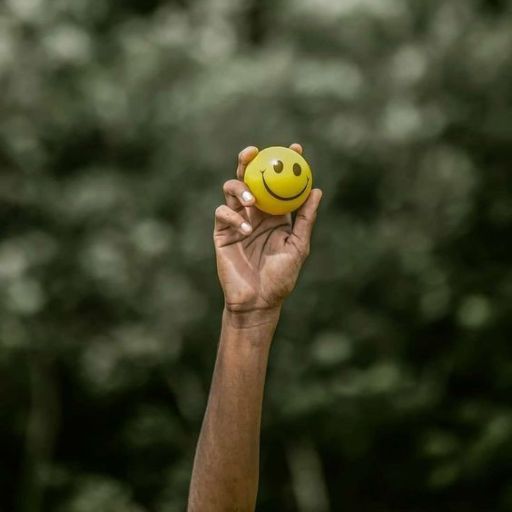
<point x="259" y="256"/>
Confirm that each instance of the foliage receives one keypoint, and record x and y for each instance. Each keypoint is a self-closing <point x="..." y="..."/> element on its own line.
<point x="390" y="375"/>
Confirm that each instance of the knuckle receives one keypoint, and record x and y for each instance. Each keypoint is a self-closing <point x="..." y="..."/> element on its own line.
<point x="230" y="186"/>
<point x="306" y="249"/>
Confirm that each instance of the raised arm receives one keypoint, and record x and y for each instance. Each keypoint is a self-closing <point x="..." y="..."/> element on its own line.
<point x="259" y="257"/>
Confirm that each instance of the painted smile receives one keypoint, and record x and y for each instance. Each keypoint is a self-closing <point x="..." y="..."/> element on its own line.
<point x="277" y="196"/>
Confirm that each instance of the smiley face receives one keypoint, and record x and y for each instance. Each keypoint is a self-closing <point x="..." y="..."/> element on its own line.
<point x="280" y="180"/>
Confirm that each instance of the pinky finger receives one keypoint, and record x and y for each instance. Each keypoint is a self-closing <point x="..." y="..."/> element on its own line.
<point x="226" y="218"/>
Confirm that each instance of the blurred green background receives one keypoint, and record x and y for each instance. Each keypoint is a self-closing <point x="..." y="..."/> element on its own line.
<point x="391" y="374"/>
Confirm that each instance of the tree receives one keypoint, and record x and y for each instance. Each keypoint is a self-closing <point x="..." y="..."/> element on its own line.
<point x="389" y="377"/>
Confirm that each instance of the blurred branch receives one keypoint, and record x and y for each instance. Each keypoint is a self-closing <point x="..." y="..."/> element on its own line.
<point x="42" y="425"/>
<point x="307" y="478"/>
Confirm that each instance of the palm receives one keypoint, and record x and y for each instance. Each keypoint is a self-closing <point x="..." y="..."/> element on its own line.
<point x="259" y="270"/>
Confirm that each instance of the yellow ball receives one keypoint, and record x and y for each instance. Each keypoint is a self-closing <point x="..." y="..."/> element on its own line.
<point x="280" y="180"/>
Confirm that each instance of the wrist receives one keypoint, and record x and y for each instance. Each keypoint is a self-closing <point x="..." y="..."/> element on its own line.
<point x="252" y="319"/>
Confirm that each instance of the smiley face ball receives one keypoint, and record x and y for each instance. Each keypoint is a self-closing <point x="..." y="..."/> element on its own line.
<point x="280" y="180"/>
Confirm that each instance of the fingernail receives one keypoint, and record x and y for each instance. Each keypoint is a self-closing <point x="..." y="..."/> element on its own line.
<point x="247" y="196"/>
<point x="246" y="227"/>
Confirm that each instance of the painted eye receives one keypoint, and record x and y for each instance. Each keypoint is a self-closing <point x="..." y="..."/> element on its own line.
<point x="297" y="169"/>
<point x="278" y="166"/>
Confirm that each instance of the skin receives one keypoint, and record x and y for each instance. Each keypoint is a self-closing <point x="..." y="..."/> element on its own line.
<point x="259" y="257"/>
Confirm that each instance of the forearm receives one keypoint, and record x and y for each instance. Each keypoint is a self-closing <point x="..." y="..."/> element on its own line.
<point x="226" y="466"/>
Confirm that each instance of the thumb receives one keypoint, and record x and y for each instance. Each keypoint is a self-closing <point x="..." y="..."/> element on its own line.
<point x="305" y="219"/>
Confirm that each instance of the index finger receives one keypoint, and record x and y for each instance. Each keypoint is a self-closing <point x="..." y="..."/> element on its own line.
<point x="244" y="157"/>
<point x="297" y="148"/>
